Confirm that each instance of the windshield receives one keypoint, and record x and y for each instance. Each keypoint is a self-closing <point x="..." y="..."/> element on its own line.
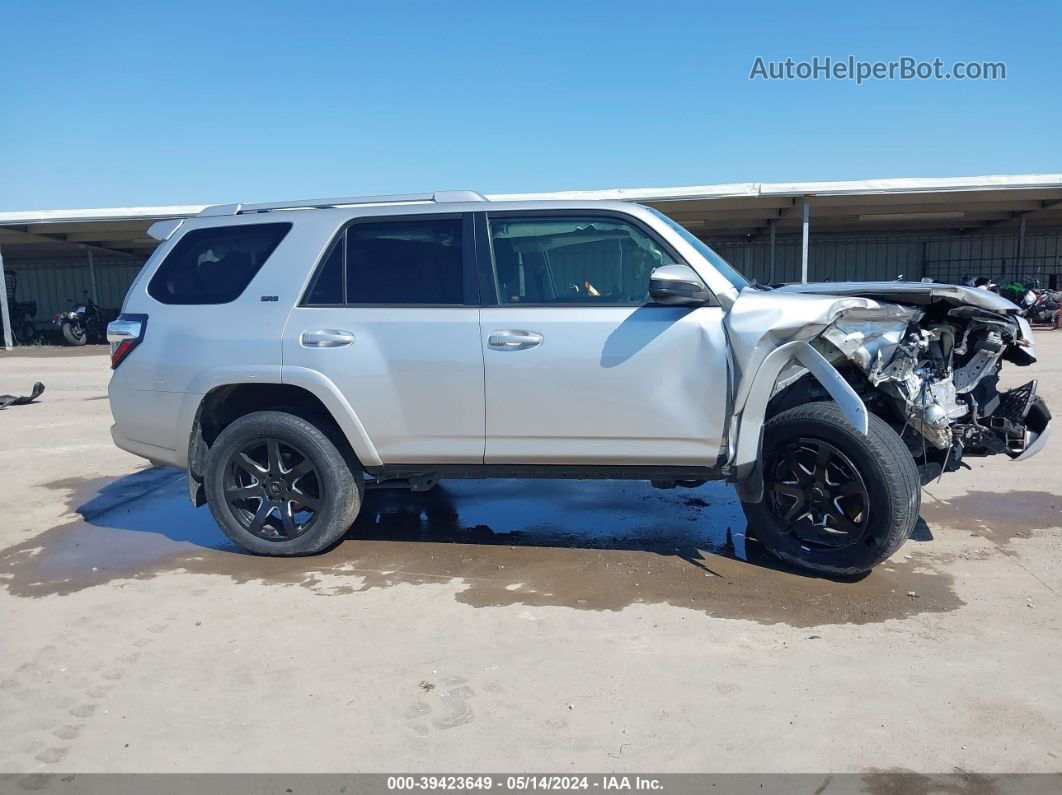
<point x="725" y="268"/>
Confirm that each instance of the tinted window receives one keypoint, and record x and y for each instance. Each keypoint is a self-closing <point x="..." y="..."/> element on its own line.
<point x="418" y="261"/>
<point x="328" y="285"/>
<point x="586" y="261"/>
<point x="213" y="266"/>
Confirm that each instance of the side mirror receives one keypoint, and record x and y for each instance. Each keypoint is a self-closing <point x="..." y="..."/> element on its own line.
<point x="677" y="285"/>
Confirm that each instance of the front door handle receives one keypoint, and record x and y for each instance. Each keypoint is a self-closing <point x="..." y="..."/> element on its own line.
<point x="514" y="340"/>
<point x="326" y="338"/>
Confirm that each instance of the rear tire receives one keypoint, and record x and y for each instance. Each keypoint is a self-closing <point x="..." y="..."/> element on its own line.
<point x="835" y="501"/>
<point x="278" y="484"/>
<point x="74" y="336"/>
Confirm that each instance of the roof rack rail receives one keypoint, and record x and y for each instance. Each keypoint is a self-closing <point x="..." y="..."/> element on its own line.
<point x="314" y="204"/>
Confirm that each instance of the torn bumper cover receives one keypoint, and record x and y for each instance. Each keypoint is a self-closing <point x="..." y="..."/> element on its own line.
<point x="1037" y="428"/>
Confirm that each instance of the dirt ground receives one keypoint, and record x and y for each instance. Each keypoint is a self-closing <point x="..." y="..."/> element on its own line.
<point x="506" y="625"/>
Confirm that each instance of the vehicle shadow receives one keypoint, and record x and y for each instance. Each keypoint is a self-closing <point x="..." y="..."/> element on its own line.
<point x="659" y="522"/>
<point x="561" y="514"/>
<point x="698" y="526"/>
<point x="585" y="544"/>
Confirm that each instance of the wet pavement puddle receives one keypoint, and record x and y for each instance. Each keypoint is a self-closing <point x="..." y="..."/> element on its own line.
<point x="999" y="516"/>
<point x="592" y="545"/>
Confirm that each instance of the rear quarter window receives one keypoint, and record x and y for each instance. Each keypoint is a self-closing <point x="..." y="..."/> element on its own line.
<point x="215" y="265"/>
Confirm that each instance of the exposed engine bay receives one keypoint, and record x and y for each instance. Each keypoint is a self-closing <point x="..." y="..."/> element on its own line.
<point x="933" y="369"/>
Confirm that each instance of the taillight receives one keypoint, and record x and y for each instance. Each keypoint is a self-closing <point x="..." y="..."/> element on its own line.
<point x="124" y="334"/>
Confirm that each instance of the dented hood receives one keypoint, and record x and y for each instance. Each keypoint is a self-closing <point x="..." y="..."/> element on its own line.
<point x="917" y="293"/>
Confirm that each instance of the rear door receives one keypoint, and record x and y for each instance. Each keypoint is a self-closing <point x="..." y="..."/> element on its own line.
<point x="581" y="368"/>
<point x="392" y="318"/>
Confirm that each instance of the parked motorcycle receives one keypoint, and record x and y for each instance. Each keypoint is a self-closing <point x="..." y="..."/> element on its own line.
<point x="1015" y="291"/>
<point x="1039" y="306"/>
<point x="82" y="324"/>
<point x="1043" y="308"/>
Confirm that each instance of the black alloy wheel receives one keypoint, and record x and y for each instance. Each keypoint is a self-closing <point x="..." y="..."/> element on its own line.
<point x="283" y="484"/>
<point x="835" y="500"/>
<point x="273" y="489"/>
<point x="816" y="492"/>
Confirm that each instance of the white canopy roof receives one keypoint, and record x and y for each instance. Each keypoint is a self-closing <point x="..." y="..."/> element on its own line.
<point x="743" y="209"/>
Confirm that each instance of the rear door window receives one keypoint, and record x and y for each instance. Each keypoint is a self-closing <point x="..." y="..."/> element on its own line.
<point x="396" y="262"/>
<point x="327" y="287"/>
<point x="405" y="262"/>
<point x="215" y="265"/>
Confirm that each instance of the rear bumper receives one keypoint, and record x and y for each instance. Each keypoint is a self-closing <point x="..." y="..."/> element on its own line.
<point x="154" y="454"/>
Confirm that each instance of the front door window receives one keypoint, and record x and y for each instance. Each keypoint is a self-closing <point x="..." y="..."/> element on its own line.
<point x="573" y="261"/>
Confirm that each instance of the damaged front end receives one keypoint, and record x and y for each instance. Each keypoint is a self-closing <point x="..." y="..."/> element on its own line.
<point x="933" y="369"/>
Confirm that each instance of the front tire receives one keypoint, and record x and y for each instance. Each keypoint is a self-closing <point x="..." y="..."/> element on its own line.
<point x="835" y="501"/>
<point x="278" y="484"/>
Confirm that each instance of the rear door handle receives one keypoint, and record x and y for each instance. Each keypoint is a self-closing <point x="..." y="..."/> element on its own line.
<point x="514" y="340"/>
<point x="326" y="338"/>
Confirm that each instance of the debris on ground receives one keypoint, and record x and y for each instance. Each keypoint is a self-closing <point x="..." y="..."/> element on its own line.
<point x="22" y="400"/>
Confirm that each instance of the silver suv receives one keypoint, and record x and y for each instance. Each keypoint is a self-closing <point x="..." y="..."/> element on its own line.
<point x="290" y="356"/>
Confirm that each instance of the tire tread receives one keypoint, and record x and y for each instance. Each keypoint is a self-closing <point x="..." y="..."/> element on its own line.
<point x="898" y="468"/>
<point x="339" y="460"/>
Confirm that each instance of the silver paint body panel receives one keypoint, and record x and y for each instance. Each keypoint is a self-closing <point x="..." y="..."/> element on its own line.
<point x="563" y="385"/>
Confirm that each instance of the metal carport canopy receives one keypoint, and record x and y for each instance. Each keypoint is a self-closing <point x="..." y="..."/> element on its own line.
<point x="738" y="210"/>
<point x="865" y="206"/>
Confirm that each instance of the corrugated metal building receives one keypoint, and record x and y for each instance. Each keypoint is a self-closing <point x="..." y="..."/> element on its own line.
<point x="54" y="284"/>
<point x="941" y="257"/>
<point x="1003" y="227"/>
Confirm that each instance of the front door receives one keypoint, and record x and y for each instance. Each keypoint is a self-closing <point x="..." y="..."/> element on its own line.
<point x="391" y="319"/>
<point x="580" y="367"/>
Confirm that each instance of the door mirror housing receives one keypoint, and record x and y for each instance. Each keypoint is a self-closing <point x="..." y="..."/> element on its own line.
<point x="677" y="285"/>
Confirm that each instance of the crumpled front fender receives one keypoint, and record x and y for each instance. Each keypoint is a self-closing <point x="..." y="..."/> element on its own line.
<point x="768" y="331"/>
<point x="747" y="427"/>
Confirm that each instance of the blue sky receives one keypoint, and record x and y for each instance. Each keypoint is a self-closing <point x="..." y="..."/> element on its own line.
<point x="113" y="104"/>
